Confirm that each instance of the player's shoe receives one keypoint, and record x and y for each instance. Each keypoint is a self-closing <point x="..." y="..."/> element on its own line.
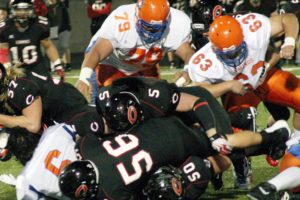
<point x="243" y="177"/>
<point x="280" y="134"/>
<point x="264" y="191"/>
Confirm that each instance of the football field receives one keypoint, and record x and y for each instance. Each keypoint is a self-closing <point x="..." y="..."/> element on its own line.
<point x="261" y="170"/>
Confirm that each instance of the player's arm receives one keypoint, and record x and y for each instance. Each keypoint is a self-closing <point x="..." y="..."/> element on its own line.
<point x="219" y="89"/>
<point x="206" y="119"/>
<point x="288" y="25"/>
<point x="30" y="118"/>
<point x="53" y="56"/>
<point x="101" y="50"/>
<point x="185" y="52"/>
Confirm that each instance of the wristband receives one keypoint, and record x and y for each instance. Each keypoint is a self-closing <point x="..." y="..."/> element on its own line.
<point x="58" y="65"/>
<point x="85" y="74"/>
<point x="214" y="137"/>
<point x="288" y="41"/>
<point x="185" y="68"/>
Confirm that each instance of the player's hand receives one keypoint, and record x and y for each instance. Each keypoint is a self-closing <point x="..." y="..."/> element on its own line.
<point x="8" y="179"/>
<point x="287" y="51"/>
<point x="181" y="78"/>
<point x="238" y="87"/>
<point x="83" y="88"/>
<point x="220" y="144"/>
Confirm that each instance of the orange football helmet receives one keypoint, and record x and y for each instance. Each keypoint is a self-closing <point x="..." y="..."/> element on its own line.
<point x="226" y="35"/>
<point x="152" y="19"/>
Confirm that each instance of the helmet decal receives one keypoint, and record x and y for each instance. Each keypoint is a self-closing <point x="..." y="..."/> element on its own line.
<point x="132" y="114"/>
<point x="217" y="12"/>
<point x="177" y="186"/>
<point x="81" y="191"/>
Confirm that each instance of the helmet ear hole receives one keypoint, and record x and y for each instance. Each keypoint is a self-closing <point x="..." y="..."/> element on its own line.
<point x="122" y="112"/>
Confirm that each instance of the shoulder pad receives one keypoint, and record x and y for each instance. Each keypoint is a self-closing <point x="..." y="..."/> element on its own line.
<point x="42" y="20"/>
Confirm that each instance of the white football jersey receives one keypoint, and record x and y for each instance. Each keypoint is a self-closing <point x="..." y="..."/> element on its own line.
<point x="39" y="177"/>
<point x="204" y="65"/>
<point x="131" y="54"/>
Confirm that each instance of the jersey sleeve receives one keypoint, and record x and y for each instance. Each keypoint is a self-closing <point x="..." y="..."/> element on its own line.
<point x="204" y="66"/>
<point x="160" y="97"/>
<point x="22" y="93"/>
<point x="43" y="24"/>
<point x="118" y="25"/>
<point x="256" y="29"/>
<point x="24" y="190"/>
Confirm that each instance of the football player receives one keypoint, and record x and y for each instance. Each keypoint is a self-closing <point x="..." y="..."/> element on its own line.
<point x="56" y="149"/>
<point x="34" y="101"/>
<point x="120" y="166"/>
<point x="44" y="157"/>
<point x="23" y="34"/>
<point x="134" y="39"/>
<point x="130" y="101"/>
<point x="287" y="179"/>
<point x="238" y="66"/>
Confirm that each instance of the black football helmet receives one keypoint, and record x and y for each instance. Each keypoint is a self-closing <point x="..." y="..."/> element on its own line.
<point x="22" y="11"/>
<point x="123" y="111"/>
<point x="166" y="183"/>
<point x="203" y="14"/>
<point x="79" y="180"/>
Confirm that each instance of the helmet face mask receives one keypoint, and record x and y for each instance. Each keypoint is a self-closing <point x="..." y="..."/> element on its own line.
<point x="79" y="180"/>
<point x="151" y="32"/>
<point x="232" y="59"/>
<point x="122" y="112"/>
<point x="22" y="11"/>
<point x="152" y="19"/>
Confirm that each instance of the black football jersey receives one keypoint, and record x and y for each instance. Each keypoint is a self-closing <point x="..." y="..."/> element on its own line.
<point x="59" y="99"/>
<point x="290" y="6"/>
<point x="25" y="46"/>
<point x="126" y="161"/>
<point x="157" y="97"/>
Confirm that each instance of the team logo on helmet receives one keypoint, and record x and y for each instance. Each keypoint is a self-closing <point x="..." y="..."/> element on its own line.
<point x="132" y="114"/>
<point x="81" y="191"/>
<point x="177" y="186"/>
<point x="217" y="12"/>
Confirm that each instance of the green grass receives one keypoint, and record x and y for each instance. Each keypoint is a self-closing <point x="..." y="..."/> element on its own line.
<point x="261" y="170"/>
